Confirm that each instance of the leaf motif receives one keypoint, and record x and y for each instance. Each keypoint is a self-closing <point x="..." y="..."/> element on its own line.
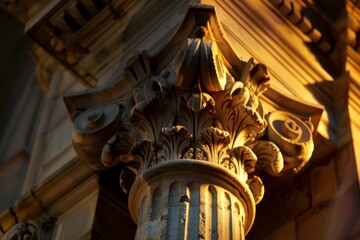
<point x="256" y="187"/>
<point x="214" y="142"/>
<point x="117" y="149"/>
<point x="174" y="142"/>
<point x="145" y="152"/>
<point x="213" y="71"/>
<point x="246" y="157"/>
<point x="269" y="157"/>
<point x="239" y="95"/>
<point x="196" y="102"/>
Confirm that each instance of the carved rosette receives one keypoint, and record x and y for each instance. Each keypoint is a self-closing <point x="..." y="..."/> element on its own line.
<point x="190" y="133"/>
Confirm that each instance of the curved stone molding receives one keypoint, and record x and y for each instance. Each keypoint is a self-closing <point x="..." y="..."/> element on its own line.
<point x="22" y="231"/>
<point x="92" y="129"/>
<point x="39" y="230"/>
<point x="294" y="138"/>
<point x="257" y="188"/>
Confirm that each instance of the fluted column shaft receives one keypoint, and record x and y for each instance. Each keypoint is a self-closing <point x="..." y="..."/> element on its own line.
<point x="190" y="199"/>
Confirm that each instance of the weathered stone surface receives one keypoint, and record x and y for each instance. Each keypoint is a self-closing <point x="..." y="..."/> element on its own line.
<point x="193" y="108"/>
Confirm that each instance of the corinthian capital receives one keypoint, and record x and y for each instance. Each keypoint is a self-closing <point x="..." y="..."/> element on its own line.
<point x="193" y="108"/>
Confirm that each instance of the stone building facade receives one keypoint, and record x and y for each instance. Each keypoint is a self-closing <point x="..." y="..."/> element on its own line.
<point x="180" y="119"/>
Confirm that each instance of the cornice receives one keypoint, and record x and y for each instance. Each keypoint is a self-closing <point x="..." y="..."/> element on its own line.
<point x="90" y="38"/>
<point x="328" y="35"/>
<point x="297" y="12"/>
<point x="295" y="70"/>
<point x="41" y="200"/>
<point x="23" y="10"/>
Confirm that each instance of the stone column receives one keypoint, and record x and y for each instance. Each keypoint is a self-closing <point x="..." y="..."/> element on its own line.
<point x="191" y="199"/>
<point x="192" y="134"/>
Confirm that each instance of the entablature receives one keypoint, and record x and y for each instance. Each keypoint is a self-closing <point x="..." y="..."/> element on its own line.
<point x="90" y="38"/>
<point x="95" y="39"/>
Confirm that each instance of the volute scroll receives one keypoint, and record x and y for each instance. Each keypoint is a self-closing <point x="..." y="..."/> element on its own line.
<point x="201" y="107"/>
<point x="194" y="108"/>
<point x="294" y="137"/>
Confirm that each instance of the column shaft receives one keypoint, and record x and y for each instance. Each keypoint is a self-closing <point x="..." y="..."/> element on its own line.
<point x="182" y="202"/>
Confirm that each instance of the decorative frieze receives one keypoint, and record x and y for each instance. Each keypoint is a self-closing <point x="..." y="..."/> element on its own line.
<point x="190" y="131"/>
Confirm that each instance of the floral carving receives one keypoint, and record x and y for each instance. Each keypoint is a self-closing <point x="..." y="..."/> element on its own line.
<point x="194" y="107"/>
<point x="174" y="142"/>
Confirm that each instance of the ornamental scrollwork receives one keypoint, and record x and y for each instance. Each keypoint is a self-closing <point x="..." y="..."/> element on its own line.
<point x="294" y="136"/>
<point x="30" y="230"/>
<point x="197" y="106"/>
<point x="22" y="231"/>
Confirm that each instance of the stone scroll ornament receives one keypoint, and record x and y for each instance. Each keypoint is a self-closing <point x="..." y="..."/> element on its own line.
<point x="196" y="108"/>
<point x="31" y="230"/>
<point x="22" y="231"/>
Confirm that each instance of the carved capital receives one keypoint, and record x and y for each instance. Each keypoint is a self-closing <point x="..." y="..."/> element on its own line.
<point x="194" y="105"/>
<point x="294" y="138"/>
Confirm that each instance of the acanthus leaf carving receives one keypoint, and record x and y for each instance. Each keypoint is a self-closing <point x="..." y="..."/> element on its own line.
<point x="118" y="149"/>
<point x="247" y="157"/>
<point x="213" y="78"/>
<point x="197" y="106"/>
<point x="256" y="187"/>
<point x="269" y="157"/>
<point x="213" y="143"/>
<point x="177" y="138"/>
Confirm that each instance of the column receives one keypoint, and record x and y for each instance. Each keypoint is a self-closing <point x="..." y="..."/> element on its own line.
<point x="191" y="199"/>
<point x="192" y="134"/>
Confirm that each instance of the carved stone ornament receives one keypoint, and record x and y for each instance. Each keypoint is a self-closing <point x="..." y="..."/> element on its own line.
<point x="22" y="231"/>
<point x="294" y="136"/>
<point x="30" y="230"/>
<point x="192" y="134"/>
